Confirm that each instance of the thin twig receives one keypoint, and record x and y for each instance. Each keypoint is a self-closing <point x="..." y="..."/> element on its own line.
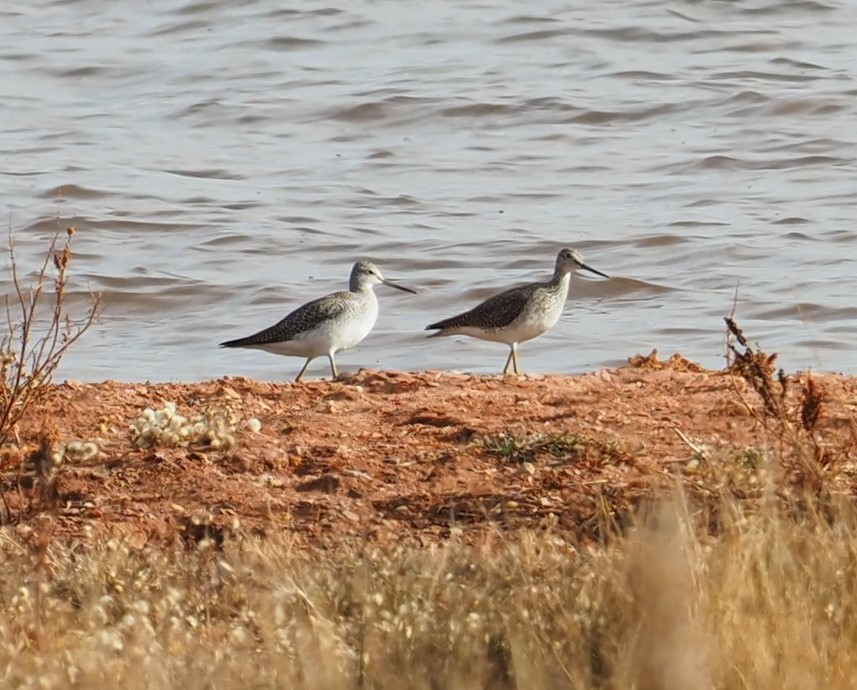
<point x="701" y="452"/>
<point x="28" y="364"/>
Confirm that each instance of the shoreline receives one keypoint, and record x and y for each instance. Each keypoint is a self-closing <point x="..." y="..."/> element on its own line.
<point x="386" y="455"/>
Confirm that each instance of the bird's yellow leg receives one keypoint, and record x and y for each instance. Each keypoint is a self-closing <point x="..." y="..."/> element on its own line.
<point x="301" y="372"/>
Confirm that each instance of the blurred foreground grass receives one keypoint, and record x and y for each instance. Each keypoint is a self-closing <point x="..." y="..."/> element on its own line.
<point x="769" y="602"/>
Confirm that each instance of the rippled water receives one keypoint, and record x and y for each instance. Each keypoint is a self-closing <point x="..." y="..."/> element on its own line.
<point x="225" y="162"/>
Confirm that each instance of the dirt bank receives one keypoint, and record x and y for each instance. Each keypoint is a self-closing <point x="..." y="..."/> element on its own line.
<point x="392" y="455"/>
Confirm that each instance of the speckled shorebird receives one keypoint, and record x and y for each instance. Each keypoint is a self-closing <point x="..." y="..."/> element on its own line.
<point x="520" y="314"/>
<point x="326" y="325"/>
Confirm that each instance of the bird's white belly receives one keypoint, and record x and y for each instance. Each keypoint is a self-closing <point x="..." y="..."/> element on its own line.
<point x="310" y="344"/>
<point x="351" y="332"/>
<point x="526" y="327"/>
<point x="328" y="336"/>
<point x="334" y="335"/>
<point x="534" y="322"/>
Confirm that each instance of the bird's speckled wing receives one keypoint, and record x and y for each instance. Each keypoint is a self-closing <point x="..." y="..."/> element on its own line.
<point x="304" y="318"/>
<point x="495" y="312"/>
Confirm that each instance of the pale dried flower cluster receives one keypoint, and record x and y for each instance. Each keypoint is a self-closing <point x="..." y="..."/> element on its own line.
<point x="165" y="427"/>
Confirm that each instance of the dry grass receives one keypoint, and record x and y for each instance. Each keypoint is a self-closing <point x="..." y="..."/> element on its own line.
<point x="769" y="603"/>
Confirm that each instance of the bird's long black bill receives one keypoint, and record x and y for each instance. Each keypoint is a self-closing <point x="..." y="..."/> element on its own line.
<point x="391" y="284"/>
<point x="592" y="270"/>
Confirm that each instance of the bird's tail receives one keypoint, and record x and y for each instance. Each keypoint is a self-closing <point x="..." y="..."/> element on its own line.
<point x="444" y="327"/>
<point x="238" y="342"/>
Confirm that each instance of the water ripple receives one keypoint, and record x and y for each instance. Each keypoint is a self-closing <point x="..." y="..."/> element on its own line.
<point x="224" y="162"/>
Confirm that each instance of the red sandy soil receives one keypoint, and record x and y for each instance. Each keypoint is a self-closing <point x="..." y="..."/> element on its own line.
<point x="389" y="455"/>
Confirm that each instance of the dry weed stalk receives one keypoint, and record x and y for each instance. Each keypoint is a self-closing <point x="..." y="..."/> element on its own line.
<point x="797" y="425"/>
<point x="28" y="360"/>
<point x="758" y="368"/>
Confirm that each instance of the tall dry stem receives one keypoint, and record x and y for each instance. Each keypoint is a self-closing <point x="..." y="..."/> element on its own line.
<point x="28" y="358"/>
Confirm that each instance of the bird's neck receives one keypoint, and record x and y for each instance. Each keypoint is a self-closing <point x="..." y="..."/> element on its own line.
<point x="363" y="289"/>
<point x="561" y="280"/>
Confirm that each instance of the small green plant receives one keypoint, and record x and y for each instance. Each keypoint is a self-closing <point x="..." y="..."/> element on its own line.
<point x="525" y="447"/>
<point x="39" y="331"/>
<point x="752" y="458"/>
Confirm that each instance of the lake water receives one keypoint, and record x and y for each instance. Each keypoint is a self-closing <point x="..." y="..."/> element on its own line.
<point x="224" y="162"/>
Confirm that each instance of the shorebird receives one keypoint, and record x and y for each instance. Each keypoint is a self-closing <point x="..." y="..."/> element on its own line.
<point x="326" y="325"/>
<point x="519" y="314"/>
